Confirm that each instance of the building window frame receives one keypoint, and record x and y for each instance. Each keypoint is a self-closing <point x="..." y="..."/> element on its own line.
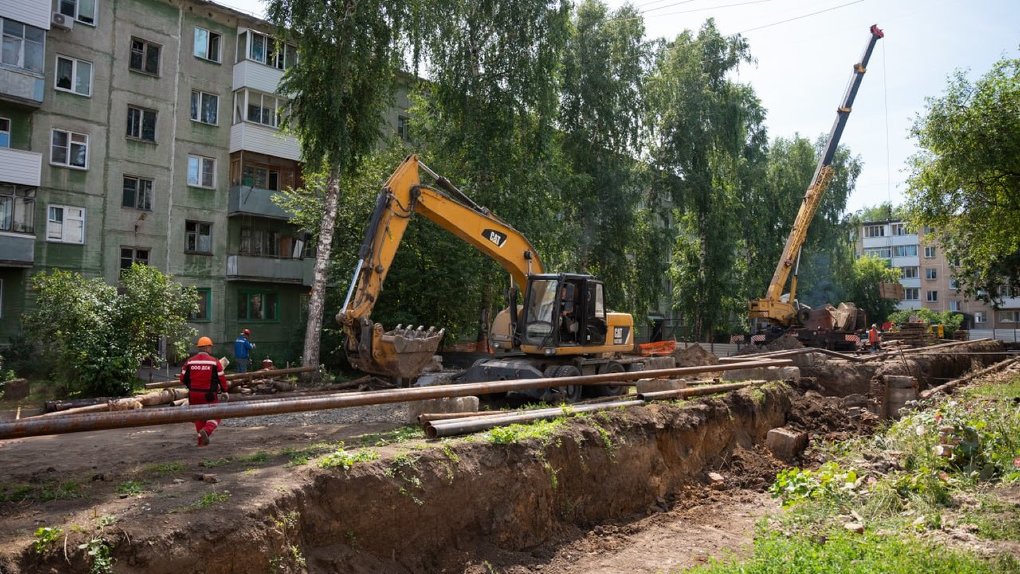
<point x="60" y="224"/>
<point x="208" y="45"/>
<point x="909" y="272"/>
<point x="904" y="250"/>
<point x="200" y="110"/>
<point x="874" y="231"/>
<point x="29" y="44"/>
<point x="258" y="305"/>
<point x="404" y="127"/>
<point x="265" y="49"/>
<point x="5" y="132"/>
<point x="141" y="124"/>
<point x="130" y="255"/>
<point x="204" y="312"/>
<point x="73" y="145"/>
<point x="73" y="80"/>
<point x="929" y="252"/>
<point x="137" y="193"/>
<point x="198" y="237"/>
<point x="911" y="294"/>
<point x="260" y="177"/>
<point x="980" y="317"/>
<point x="83" y="11"/>
<point x="931" y="273"/>
<point x="201" y="171"/>
<point x="144" y="56"/>
<point x="899" y="229"/>
<point x="258" y="108"/>
<point x="1010" y="316"/>
<point x="931" y="296"/>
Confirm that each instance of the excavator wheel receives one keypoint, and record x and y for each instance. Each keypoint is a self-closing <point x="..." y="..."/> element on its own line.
<point x="569" y="394"/>
<point x="609" y="390"/>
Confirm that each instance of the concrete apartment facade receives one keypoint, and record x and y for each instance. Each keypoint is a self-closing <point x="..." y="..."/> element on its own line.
<point x="928" y="281"/>
<point x="147" y="131"/>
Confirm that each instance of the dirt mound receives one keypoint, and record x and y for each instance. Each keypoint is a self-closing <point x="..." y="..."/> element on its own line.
<point x="830" y="418"/>
<point x="694" y="356"/>
<point x="784" y="343"/>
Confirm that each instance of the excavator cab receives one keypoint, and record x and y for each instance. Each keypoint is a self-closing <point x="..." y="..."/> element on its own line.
<point x="563" y="310"/>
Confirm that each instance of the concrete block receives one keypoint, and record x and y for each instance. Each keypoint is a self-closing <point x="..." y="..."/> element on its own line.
<point x="653" y="363"/>
<point x="786" y="444"/>
<point x="444" y="405"/>
<point x="656" y="385"/>
<point x="15" y="389"/>
<point x="763" y="374"/>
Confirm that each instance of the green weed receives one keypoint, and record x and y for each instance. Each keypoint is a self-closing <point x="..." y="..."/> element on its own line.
<point x="63" y="491"/>
<point x="131" y="487"/>
<point x="345" y="460"/>
<point x="254" y="458"/>
<point x="210" y="499"/>
<point x="402" y="434"/>
<point x="45" y="537"/>
<point x="215" y="462"/>
<point x="404" y="469"/>
<point x="510" y="434"/>
<point x="165" y="468"/>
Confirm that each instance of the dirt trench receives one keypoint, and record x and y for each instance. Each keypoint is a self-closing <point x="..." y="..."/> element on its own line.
<point x="431" y="509"/>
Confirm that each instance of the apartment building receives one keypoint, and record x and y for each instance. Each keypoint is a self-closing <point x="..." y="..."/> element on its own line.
<point x="928" y="281"/>
<point x="148" y="131"/>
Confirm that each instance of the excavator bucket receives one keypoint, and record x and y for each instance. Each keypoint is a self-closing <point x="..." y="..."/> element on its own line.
<point x="401" y="353"/>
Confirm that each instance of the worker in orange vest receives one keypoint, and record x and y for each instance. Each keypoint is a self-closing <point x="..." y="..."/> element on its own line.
<point x="874" y="338"/>
<point x="203" y="375"/>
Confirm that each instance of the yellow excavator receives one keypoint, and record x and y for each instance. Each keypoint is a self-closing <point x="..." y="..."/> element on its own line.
<point x="561" y="328"/>
<point x="828" y="328"/>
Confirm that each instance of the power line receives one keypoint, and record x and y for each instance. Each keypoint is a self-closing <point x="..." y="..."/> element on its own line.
<point x="707" y="8"/>
<point x="800" y="17"/>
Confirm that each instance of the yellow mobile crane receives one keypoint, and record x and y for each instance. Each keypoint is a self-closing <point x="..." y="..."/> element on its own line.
<point x="562" y="328"/>
<point x="784" y="311"/>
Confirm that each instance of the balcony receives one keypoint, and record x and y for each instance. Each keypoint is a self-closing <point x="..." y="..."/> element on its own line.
<point x="262" y="139"/>
<point x="247" y="200"/>
<point x="20" y="167"/>
<point x="21" y="86"/>
<point x="251" y="74"/>
<point x="16" y="249"/>
<point x="270" y="269"/>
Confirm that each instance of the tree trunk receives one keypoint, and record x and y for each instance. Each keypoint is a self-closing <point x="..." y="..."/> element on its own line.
<point x="317" y="298"/>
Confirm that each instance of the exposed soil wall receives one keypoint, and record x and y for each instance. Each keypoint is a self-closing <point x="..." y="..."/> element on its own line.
<point x="430" y="509"/>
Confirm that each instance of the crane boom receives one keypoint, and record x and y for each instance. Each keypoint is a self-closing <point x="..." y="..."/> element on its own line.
<point x="772" y="307"/>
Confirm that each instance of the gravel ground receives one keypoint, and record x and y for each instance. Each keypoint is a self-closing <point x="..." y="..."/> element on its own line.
<point x="393" y="413"/>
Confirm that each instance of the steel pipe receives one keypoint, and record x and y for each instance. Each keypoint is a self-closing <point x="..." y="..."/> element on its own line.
<point x="437" y="429"/>
<point x="238" y="376"/>
<point x="696" y="391"/>
<point x="143" y="417"/>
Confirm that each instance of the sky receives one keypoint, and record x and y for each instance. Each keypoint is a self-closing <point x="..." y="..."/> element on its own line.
<point x="805" y="51"/>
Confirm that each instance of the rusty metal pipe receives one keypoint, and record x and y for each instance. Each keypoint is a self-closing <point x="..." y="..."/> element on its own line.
<point x="696" y="391"/>
<point x="103" y="421"/>
<point x="437" y="429"/>
<point x="238" y="376"/>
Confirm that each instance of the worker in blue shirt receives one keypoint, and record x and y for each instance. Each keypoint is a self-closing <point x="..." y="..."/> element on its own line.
<point x="242" y="351"/>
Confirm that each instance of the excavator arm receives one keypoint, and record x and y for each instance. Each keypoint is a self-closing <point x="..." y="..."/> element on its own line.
<point x="772" y="307"/>
<point x="403" y="352"/>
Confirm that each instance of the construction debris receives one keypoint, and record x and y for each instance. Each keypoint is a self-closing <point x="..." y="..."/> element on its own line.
<point x="786" y="444"/>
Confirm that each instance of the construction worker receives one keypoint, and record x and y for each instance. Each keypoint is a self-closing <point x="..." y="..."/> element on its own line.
<point x="203" y="376"/>
<point x="874" y="338"/>
<point x="242" y="351"/>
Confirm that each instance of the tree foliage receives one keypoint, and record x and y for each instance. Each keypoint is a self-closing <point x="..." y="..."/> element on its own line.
<point x="949" y="319"/>
<point x="100" y="334"/>
<point x="965" y="181"/>
<point x="867" y="273"/>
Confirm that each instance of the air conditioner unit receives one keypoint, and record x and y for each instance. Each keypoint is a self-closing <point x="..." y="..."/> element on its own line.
<point x="61" y="21"/>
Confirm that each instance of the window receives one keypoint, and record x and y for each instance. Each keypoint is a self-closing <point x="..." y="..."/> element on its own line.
<point x="911" y="294"/>
<point x="204" y="107"/>
<point x="954" y="284"/>
<point x="204" y="311"/>
<point x="137" y="193"/>
<point x="197" y="237"/>
<point x="258" y="305"/>
<point x="880" y="252"/>
<point x="257" y="107"/>
<point x="83" y="11"/>
<point x="931" y="273"/>
<point x="874" y="231"/>
<point x="979" y="317"/>
<point x="144" y="56"/>
<point x="1" y="298"/>
<point x="928" y="230"/>
<point x="141" y="124"/>
<point x="201" y="171"/>
<point x="129" y="255"/>
<point x="929" y="252"/>
<point x="1010" y="316"/>
<point x="207" y="45"/>
<point x="932" y="296"/>
<point x="17" y="208"/>
<point x="905" y="251"/>
<point x="65" y="224"/>
<point x="69" y="149"/>
<point x="404" y="128"/>
<point x="5" y="132"/>
<point x="260" y="241"/>
<point x="908" y="272"/>
<point x="74" y="76"/>
<point x="266" y="50"/>
<point x="260" y="177"/>
<point x="899" y="229"/>
<point x="22" y="46"/>
<point x="954" y="305"/>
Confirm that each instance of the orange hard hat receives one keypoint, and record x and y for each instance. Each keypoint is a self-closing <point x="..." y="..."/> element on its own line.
<point x="204" y="342"/>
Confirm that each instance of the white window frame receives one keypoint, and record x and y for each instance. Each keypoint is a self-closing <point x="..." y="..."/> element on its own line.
<point x="874" y="231"/>
<point x="271" y="55"/>
<point x="139" y="132"/>
<point x="5" y="132"/>
<point x="193" y="237"/>
<point x="904" y="250"/>
<point x="912" y="294"/>
<point x="931" y="296"/>
<point x="979" y="317"/>
<point x="404" y="127"/>
<point x="1011" y="316"/>
<point x="879" y="252"/>
<point x="201" y="162"/>
<point x="931" y="273"/>
<point x="202" y="52"/>
<point x="954" y="305"/>
<point x="71" y="144"/>
<point x="38" y="64"/>
<point x="908" y="272"/>
<point x="197" y="111"/>
<point x="954" y="284"/>
<point x="75" y="65"/>
<point x="59" y="231"/>
<point x="146" y="46"/>
<point x="73" y="9"/>
<point x="143" y="187"/>
<point x="899" y="229"/>
<point x="929" y="252"/>
<point x="134" y="256"/>
<point x="246" y="97"/>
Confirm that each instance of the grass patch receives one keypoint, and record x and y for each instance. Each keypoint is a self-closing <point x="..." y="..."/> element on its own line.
<point x="402" y="434"/>
<point x="131" y="487"/>
<point x="16" y="492"/>
<point x="1007" y="390"/>
<point x="404" y="469"/>
<point x="213" y="463"/>
<point x="210" y="499"/>
<point x="302" y="456"/>
<point x="62" y="491"/>
<point x="345" y="460"/>
<point x="254" y="458"/>
<point x="165" y="468"/>
<point x="510" y="434"/>
<point x="846" y="552"/>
